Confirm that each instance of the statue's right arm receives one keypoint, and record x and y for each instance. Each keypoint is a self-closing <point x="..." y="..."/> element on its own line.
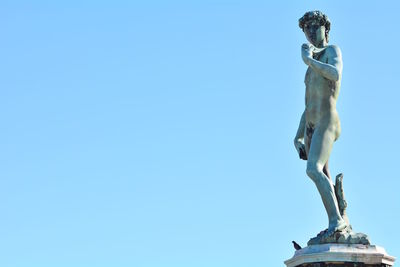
<point x="300" y="131"/>
<point x="299" y="138"/>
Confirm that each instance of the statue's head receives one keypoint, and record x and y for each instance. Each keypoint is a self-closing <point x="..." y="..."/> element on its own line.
<point x="315" y="25"/>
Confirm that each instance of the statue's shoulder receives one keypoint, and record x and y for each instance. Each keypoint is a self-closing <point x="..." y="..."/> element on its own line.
<point x="333" y="51"/>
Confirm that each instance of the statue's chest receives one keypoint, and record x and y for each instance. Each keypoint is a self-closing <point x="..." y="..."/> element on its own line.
<point x="311" y="75"/>
<point x="312" y="78"/>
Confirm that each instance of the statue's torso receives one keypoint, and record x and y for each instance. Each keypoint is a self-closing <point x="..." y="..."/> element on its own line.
<point x="321" y="96"/>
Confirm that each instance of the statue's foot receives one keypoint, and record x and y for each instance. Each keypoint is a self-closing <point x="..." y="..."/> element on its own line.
<point x="337" y="227"/>
<point x="328" y="235"/>
<point x="339" y="235"/>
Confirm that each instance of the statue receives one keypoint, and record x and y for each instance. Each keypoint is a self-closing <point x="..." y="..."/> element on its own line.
<point x="319" y="128"/>
<point x="319" y="125"/>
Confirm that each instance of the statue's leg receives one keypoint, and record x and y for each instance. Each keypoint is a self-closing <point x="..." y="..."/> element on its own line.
<point x="309" y="130"/>
<point x="326" y="170"/>
<point x="318" y="155"/>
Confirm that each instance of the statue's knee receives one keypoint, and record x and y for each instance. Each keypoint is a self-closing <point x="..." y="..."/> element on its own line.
<point x="311" y="173"/>
<point x="314" y="172"/>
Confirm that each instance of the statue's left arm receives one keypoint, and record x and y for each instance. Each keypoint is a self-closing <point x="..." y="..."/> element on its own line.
<point x="331" y="70"/>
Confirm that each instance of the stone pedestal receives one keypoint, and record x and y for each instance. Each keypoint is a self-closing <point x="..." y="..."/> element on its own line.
<point x="337" y="255"/>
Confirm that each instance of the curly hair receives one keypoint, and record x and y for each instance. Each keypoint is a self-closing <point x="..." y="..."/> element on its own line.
<point x="318" y="16"/>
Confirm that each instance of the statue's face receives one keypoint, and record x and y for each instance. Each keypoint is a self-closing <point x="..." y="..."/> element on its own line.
<point x="315" y="33"/>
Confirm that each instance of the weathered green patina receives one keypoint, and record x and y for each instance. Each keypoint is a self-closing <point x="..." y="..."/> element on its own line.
<point x="319" y="126"/>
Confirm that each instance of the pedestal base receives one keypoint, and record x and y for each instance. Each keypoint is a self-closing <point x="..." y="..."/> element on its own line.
<point x="337" y="255"/>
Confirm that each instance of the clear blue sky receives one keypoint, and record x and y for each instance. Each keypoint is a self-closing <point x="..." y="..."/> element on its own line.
<point x="155" y="134"/>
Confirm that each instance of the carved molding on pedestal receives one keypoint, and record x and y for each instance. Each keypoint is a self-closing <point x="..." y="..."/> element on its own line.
<point x="328" y="255"/>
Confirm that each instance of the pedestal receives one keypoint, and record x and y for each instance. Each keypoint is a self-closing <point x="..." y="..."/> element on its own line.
<point x="337" y="255"/>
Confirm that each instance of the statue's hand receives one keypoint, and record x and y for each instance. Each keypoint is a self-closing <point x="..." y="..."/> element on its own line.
<point x="306" y="53"/>
<point x="301" y="149"/>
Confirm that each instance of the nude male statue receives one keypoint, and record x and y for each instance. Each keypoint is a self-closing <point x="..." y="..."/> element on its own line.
<point x="319" y="125"/>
